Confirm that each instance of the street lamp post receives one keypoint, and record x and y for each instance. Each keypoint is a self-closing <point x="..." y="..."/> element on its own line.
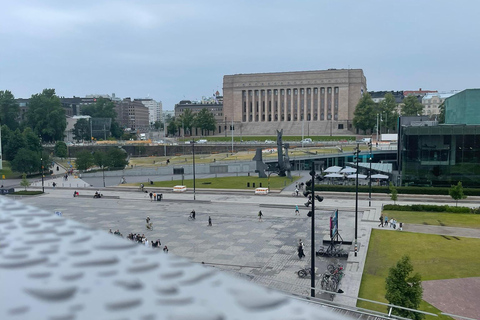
<point x="103" y="173"/>
<point x="356" y="153"/>
<point x="193" y="152"/>
<point x="43" y="186"/>
<point x="312" y="253"/>
<point x="370" y="173"/>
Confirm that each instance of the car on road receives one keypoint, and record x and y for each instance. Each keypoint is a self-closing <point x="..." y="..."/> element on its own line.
<point x="306" y="140"/>
<point x="270" y="142"/>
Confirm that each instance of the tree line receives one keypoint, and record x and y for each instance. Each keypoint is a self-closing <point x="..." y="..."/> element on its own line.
<point x="367" y="111"/>
<point x="203" y="120"/>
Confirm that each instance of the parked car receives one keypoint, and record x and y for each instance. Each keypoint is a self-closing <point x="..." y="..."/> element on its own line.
<point x="202" y="141"/>
<point x="269" y="142"/>
<point x="307" y="140"/>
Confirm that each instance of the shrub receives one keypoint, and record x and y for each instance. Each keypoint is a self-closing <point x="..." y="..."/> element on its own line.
<point x="428" y="208"/>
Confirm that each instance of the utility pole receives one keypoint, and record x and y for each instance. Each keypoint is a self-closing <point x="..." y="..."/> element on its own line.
<point x="370" y="173"/>
<point x="193" y="152"/>
<point x="356" y="153"/>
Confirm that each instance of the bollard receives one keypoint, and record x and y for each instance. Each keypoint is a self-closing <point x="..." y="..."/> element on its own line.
<point x="260" y="184"/>
<point x="248" y="184"/>
<point x="253" y="184"/>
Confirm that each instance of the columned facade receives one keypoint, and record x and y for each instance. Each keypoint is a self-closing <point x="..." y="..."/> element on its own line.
<point x="270" y="101"/>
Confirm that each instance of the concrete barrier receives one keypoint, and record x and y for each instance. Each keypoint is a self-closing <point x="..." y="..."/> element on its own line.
<point x="261" y="191"/>
<point x="179" y="188"/>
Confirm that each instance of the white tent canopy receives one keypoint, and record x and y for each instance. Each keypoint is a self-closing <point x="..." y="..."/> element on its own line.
<point x="379" y="176"/>
<point x="354" y="176"/>
<point x="333" y="169"/>
<point x="348" y="170"/>
<point x="334" y="175"/>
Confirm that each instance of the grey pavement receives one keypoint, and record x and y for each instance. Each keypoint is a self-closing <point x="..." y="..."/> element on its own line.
<point x="264" y="252"/>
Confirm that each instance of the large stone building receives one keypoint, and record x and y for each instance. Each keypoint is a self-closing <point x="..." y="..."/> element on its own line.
<point x="310" y="102"/>
<point x="212" y="104"/>
<point x="132" y="114"/>
<point x="154" y="109"/>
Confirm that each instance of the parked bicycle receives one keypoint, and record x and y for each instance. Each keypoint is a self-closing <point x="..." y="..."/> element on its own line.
<point x="304" y="272"/>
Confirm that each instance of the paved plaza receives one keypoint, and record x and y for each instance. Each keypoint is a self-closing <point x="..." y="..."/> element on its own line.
<point x="263" y="252"/>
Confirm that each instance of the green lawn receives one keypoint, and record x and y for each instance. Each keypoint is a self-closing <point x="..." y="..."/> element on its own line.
<point x="7" y="171"/>
<point x="433" y="256"/>
<point x="276" y="183"/>
<point x="465" y="220"/>
<point x="274" y="138"/>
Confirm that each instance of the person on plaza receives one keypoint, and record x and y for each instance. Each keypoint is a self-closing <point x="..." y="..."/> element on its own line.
<point x="260" y="214"/>
<point x="146" y="242"/>
<point x="54" y="185"/>
<point x="192" y="214"/>
<point x="149" y="224"/>
<point x="301" y="253"/>
<point x="296" y="191"/>
<point x="110" y="231"/>
<point x="142" y="186"/>
<point x="209" y="221"/>
<point x="165" y="249"/>
<point x="74" y="194"/>
<point x="381" y="220"/>
<point x="151" y="196"/>
<point x="385" y="221"/>
<point x="297" y="212"/>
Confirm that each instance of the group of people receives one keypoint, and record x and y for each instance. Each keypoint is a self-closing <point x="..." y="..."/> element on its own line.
<point x="97" y="195"/>
<point x="392" y="223"/>
<point x="141" y="239"/>
<point x="117" y="233"/>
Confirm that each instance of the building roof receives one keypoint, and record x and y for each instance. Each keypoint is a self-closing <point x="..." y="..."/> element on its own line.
<point x="53" y="267"/>
<point x="418" y="92"/>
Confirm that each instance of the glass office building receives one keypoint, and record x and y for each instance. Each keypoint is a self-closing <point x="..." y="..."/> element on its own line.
<point x="440" y="155"/>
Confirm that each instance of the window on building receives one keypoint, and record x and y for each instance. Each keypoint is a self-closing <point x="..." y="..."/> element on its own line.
<point x="336" y="89"/>
<point x="288" y="91"/>
<point x="315" y="90"/>
<point x="244" y="93"/>
<point x="282" y="92"/>
<point x="275" y="92"/>
<point x="323" y="90"/>
<point x="295" y="91"/>
<point x="302" y="91"/>
<point x="340" y="126"/>
<point x="329" y="90"/>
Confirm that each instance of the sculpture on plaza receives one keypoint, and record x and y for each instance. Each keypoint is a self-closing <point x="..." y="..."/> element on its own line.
<point x="283" y="168"/>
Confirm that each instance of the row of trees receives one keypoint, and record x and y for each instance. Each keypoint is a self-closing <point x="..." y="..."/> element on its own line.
<point x="366" y="111"/>
<point x="46" y="116"/>
<point x="203" y="120"/>
<point x="114" y="158"/>
<point x="24" y="150"/>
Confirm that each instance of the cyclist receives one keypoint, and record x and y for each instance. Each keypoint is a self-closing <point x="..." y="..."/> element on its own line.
<point x="192" y="214"/>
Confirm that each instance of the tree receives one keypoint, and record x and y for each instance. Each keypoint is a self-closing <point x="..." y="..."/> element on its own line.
<point x="25" y="183"/>
<point x="393" y="192"/>
<point x="185" y="121"/>
<point x="26" y="161"/>
<point x="16" y="141"/>
<point x="456" y="192"/>
<point x="364" y="117"/>
<point x="61" y="149"/>
<point x="100" y="158"/>
<point x="84" y="160"/>
<point x="116" y="158"/>
<point x="205" y="120"/>
<point x="104" y="108"/>
<point x="172" y="126"/>
<point x="412" y="107"/>
<point x="9" y="110"/>
<point x="46" y="116"/>
<point x="81" y="130"/>
<point x="158" y="125"/>
<point x="387" y="108"/>
<point x="404" y="290"/>
<point x="32" y="140"/>
<point x="441" y="116"/>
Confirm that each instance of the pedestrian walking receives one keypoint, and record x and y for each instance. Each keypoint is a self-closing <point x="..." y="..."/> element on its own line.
<point x="301" y="253"/>
<point x="151" y="196"/>
<point x="297" y="212"/>
<point x="165" y="249"/>
<point x="260" y="214"/>
<point x="385" y="221"/>
<point x="54" y="185"/>
<point x="381" y="220"/>
<point x="296" y="191"/>
<point x="209" y="221"/>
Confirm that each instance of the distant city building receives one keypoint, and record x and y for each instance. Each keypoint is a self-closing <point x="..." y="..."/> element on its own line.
<point x="71" y="121"/>
<point x="212" y="104"/>
<point x="154" y="109"/>
<point x="310" y="102"/>
<point x="432" y="101"/>
<point x="132" y="115"/>
<point x="378" y="96"/>
<point x="418" y="92"/>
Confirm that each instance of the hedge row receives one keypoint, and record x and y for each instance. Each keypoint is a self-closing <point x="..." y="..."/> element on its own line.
<point x="400" y="190"/>
<point x="429" y="208"/>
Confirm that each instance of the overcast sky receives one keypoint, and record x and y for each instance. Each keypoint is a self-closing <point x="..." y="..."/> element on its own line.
<point x="174" y="50"/>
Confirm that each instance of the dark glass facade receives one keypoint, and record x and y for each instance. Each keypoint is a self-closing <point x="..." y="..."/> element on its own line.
<point x="440" y="155"/>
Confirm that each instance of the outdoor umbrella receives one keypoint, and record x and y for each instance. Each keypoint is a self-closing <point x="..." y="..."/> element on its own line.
<point x="348" y="170"/>
<point x="334" y="175"/>
<point x="379" y="176"/>
<point x="354" y="176"/>
<point x="333" y="169"/>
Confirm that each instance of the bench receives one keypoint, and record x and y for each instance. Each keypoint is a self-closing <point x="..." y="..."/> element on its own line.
<point x="91" y="196"/>
<point x="179" y="188"/>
